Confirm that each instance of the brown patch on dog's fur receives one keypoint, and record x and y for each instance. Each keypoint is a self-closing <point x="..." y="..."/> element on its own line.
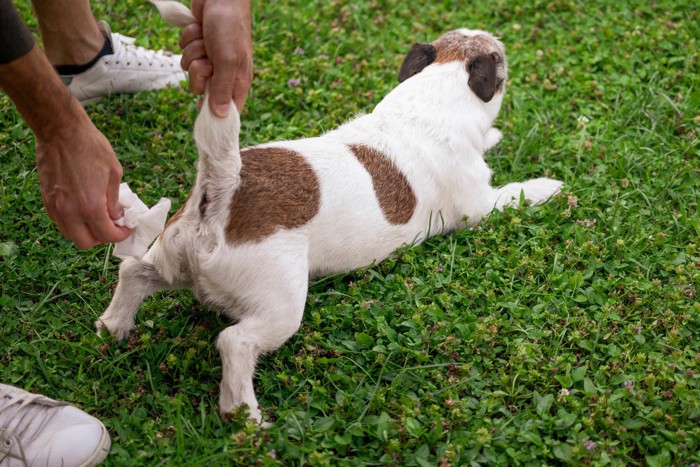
<point x="484" y="61"/>
<point x="395" y="195"/>
<point x="279" y="189"/>
<point x="455" y="46"/>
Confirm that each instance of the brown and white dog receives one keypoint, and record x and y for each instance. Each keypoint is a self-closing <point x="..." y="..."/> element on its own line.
<point x="260" y="221"/>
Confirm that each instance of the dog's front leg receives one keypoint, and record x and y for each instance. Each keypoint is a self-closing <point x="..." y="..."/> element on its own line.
<point x="537" y="191"/>
<point x="492" y="138"/>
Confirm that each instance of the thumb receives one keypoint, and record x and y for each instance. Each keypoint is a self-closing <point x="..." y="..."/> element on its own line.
<point x="220" y="92"/>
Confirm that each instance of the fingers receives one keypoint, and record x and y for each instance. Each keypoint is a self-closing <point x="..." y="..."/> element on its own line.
<point x="87" y="226"/>
<point x="103" y="229"/>
<point x="191" y="32"/>
<point x="218" y="50"/>
<point x="194" y="51"/>
<point x="69" y="226"/>
<point x="192" y="43"/>
<point x="199" y="73"/>
<point x="231" y="80"/>
<point x="197" y="8"/>
<point x="220" y="92"/>
<point x="114" y="209"/>
<point x="240" y="91"/>
<point x="194" y="57"/>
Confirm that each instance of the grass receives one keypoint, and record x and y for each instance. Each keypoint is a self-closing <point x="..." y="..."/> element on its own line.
<point x="563" y="334"/>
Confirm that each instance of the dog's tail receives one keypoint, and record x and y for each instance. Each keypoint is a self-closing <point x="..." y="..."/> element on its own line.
<point x="218" y="172"/>
<point x="174" y="13"/>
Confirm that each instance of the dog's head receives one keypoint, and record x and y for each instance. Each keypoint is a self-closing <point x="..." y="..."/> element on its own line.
<point x="482" y="55"/>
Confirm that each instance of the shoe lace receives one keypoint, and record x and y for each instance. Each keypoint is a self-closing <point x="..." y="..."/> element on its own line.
<point x="19" y="410"/>
<point x="125" y="51"/>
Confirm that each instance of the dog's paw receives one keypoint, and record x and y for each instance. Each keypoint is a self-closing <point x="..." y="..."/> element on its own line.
<point x="120" y="330"/>
<point x="539" y="190"/>
<point x="492" y="138"/>
<point x="229" y="411"/>
<point x="535" y="191"/>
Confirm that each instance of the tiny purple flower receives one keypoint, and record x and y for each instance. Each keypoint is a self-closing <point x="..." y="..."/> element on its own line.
<point x="591" y="445"/>
<point x="293" y="83"/>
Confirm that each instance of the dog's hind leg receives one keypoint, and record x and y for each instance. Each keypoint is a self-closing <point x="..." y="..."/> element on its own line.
<point x="271" y="314"/>
<point x="137" y="280"/>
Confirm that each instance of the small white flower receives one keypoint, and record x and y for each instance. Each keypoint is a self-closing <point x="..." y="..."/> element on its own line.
<point x="563" y="394"/>
<point x="582" y="121"/>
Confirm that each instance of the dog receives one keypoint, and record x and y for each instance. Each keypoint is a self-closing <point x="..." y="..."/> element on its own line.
<point x="261" y="221"/>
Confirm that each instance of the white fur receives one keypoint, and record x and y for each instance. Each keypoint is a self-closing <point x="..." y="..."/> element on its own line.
<point x="433" y="128"/>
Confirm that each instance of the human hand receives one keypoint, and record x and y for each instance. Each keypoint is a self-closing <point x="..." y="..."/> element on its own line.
<point x="219" y="49"/>
<point x="79" y="175"/>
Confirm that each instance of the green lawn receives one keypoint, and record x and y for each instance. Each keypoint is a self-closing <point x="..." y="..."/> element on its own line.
<point x="566" y="333"/>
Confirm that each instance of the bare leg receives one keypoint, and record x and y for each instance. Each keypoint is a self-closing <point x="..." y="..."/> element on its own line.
<point x="68" y="30"/>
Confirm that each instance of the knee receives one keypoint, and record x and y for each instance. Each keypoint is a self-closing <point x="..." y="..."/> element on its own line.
<point x="257" y="337"/>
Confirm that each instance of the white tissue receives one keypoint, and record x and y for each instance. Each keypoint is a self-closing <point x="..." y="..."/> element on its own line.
<point x="146" y="223"/>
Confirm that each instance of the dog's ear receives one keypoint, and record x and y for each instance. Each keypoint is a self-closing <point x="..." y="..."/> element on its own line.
<point x="483" y="76"/>
<point x="419" y="57"/>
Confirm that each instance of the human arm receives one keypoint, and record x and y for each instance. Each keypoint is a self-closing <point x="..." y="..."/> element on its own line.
<point x="79" y="173"/>
<point x="219" y="49"/>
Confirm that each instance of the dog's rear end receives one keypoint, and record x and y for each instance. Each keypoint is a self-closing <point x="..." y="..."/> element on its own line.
<point x="194" y="237"/>
<point x="191" y="247"/>
<point x="199" y="223"/>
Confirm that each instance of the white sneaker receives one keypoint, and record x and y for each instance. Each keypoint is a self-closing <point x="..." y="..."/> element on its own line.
<point x="38" y="431"/>
<point x="129" y="69"/>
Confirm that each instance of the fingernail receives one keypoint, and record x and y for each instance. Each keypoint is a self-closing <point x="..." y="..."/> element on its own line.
<point x="222" y="110"/>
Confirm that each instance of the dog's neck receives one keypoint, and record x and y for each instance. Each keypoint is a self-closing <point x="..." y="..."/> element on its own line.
<point x="440" y="101"/>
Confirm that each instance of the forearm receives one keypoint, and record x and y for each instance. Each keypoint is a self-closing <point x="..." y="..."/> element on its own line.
<point x="39" y="95"/>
